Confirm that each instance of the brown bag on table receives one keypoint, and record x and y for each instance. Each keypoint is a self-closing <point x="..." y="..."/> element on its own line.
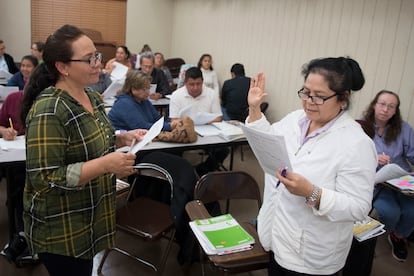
<point x="183" y="132"/>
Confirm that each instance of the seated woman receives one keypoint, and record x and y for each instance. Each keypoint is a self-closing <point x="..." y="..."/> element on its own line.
<point x="37" y="50"/>
<point x="160" y="64"/>
<point x="132" y="109"/>
<point x="393" y="140"/>
<point x="209" y="75"/>
<point x="20" y="78"/>
<point x="122" y="56"/>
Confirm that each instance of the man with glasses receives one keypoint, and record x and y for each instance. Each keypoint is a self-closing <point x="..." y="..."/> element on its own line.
<point x="146" y="61"/>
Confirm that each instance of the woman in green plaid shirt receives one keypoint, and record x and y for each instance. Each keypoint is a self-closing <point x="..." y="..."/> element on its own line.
<point x="69" y="198"/>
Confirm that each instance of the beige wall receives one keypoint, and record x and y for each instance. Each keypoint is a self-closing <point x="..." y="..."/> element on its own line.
<point x="279" y="36"/>
<point x="273" y="36"/>
<point x="149" y="22"/>
<point x="15" y="27"/>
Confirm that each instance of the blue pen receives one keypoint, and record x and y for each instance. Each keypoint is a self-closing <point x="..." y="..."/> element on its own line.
<point x="283" y="174"/>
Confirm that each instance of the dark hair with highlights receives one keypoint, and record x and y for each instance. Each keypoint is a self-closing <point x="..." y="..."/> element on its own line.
<point x="343" y="75"/>
<point x="58" y="47"/>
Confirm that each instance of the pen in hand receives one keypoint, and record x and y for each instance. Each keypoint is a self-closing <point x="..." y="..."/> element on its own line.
<point x="283" y="173"/>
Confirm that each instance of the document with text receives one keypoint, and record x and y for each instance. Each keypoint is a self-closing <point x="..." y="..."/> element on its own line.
<point x="269" y="149"/>
<point x="389" y="171"/>
<point x="151" y="134"/>
<point x="113" y="88"/>
<point x="119" y="71"/>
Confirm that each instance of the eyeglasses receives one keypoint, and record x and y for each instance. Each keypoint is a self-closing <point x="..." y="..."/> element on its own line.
<point x="318" y="100"/>
<point x="388" y="106"/>
<point x="92" y="60"/>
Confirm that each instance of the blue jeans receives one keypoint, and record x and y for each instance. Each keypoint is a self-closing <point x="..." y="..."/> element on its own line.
<point x="395" y="210"/>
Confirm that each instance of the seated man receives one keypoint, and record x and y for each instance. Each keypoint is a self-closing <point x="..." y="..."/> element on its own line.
<point x="234" y="94"/>
<point x="203" y="100"/>
<point x="146" y="61"/>
<point x="6" y="61"/>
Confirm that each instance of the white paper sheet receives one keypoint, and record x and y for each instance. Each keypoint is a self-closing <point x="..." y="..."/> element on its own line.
<point x="114" y="87"/>
<point x="4" y="75"/>
<point x="153" y="88"/>
<point x="389" y="171"/>
<point x="199" y="118"/>
<point x="18" y="143"/>
<point x="206" y="130"/>
<point x="119" y="71"/>
<point x="151" y="134"/>
<point x="269" y="149"/>
<point x="7" y="90"/>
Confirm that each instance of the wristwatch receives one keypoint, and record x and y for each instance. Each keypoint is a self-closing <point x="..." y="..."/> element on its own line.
<point x="313" y="198"/>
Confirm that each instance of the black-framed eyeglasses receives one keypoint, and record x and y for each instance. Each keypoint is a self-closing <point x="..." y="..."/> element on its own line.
<point x="318" y="100"/>
<point x="92" y="60"/>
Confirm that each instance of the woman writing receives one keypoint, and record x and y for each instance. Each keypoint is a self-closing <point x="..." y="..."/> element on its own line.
<point x="69" y="198"/>
<point x="394" y="140"/>
<point x="307" y="221"/>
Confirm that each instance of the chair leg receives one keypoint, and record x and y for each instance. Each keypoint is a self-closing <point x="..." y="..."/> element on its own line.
<point x="166" y="253"/>
<point x="203" y="272"/>
<point x="241" y="153"/>
<point x="105" y="255"/>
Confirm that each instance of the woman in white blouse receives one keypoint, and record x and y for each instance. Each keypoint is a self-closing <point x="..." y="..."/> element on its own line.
<point x="209" y="75"/>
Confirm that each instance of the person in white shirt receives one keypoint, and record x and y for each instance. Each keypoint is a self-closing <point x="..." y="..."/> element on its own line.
<point x="307" y="221"/>
<point x="202" y="99"/>
<point x="6" y="61"/>
<point x="209" y="75"/>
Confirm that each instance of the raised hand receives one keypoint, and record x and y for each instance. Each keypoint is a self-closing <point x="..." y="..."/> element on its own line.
<point x="256" y="96"/>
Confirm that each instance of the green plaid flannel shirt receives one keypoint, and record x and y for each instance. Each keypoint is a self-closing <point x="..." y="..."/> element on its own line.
<point x="61" y="217"/>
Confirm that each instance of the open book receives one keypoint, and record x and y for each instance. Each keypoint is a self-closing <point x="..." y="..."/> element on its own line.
<point x="367" y="229"/>
<point x="221" y="235"/>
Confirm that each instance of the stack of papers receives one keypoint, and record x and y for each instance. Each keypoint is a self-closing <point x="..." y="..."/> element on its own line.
<point x="223" y="129"/>
<point x="368" y="228"/>
<point x="228" y="131"/>
<point x="221" y="235"/>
